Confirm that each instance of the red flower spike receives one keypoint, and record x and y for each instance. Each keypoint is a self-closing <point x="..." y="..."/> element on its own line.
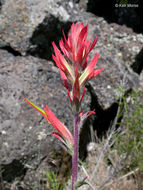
<point x="76" y="49"/>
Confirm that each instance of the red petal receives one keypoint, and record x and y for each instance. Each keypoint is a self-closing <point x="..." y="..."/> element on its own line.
<point x="76" y="89"/>
<point x="79" y="57"/>
<point x="61" y="62"/>
<point x="92" y="63"/>
<point x="94" y="73"/>
<point x="93" y="44"/>
<point x="66" y="42"/>
<point x="59" y="126"/>
<point x="56" y="61"/>
<point x="78" y="30"/>
<point x="63" y="76"/>
<point x="83" y="92"/>
<point x="63" y="48"/>
<point x="57" y="135"/>
<point x="82" y="36"/>
<point x="89" y="71"/>
<point x="69" y="96"/>
<point x="59" y="56"/>
<point x="97" y="71"/>
<point x="87" y="114"/>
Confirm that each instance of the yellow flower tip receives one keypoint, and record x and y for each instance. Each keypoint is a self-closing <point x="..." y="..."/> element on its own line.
<point x="37" y="108"/>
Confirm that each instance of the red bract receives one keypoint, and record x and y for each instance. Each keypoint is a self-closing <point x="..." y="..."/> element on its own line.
<point x="82" y="116"/>
<point x="63" y="134"/>
<point x="74" y="70"/>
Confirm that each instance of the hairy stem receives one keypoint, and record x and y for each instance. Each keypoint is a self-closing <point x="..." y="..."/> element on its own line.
<point x="75" y="155"/>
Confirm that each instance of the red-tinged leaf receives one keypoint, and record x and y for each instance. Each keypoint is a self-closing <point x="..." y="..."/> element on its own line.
<point x="72" y="28"/>
<point x="63" y="76"/>
<point x="89" y="70"/>
<point x="76" y="89"/>
<point x="87" y="114"/>
<point x="84" y="63"/>
<point x="63" y="48"/>
<point x="56" y="61"/>
<point x="62" y="63"/>
<point x="58" y="125"/>
<point x="93" y="44"/>
<point x="82" y="36"/>
<point x="83" y="92"/>
<point x="58" y="136"/>
<point x="83" y="54"/>
<point x="94" y="73"/>
<point x="66" y="42"/>
<point x="78" y="30"/>
<point x="63" y="79"/>
<point x="74" y="31"/>
<point x="72" y="40"/>
<point x="97" y="71"/>
<point x="69" y="96"/>
<point x="55" y="49"/>
<point x="81" y="50"/>
<point x="42" y="112"/>
<point x="92" y="63"/>
<point x="87" y="45"/>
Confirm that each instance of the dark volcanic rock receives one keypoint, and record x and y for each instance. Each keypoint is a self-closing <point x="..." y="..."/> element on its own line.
<point x="19" y="20"/>
<point x="115" y="74"/>
<point x="118" y="49"/>
<point x="24" y="135"/>
<point x="28" y="27"/>
<point x="127" y="13"/>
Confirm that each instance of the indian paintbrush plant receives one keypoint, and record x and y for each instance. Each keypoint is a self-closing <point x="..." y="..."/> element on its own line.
<point x="75" y="72"/>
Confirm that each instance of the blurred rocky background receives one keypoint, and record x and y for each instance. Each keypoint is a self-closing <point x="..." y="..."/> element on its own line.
<point x="27" y="28"/>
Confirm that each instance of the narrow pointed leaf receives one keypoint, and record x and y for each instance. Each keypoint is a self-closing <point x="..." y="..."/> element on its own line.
<point x="37" y="108"/>
<point x="58" y="125"/>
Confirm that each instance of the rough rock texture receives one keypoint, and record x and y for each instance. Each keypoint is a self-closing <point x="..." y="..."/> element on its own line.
<point x="35" y="79"/>
<point x="27" y="28"/>
<point x="20" y="21"/>
<point x="24" y="133"/>
<point x="141" y="80"/>
<point x="118" y="49"/>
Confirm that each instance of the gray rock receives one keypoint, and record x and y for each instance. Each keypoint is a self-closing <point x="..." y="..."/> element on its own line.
<point x="28" y="27"/>
<point x="24" y="134"/>
<point x="113" y="47"/>
<point x="20" y="19"/>
<point x="141" y="80"/>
